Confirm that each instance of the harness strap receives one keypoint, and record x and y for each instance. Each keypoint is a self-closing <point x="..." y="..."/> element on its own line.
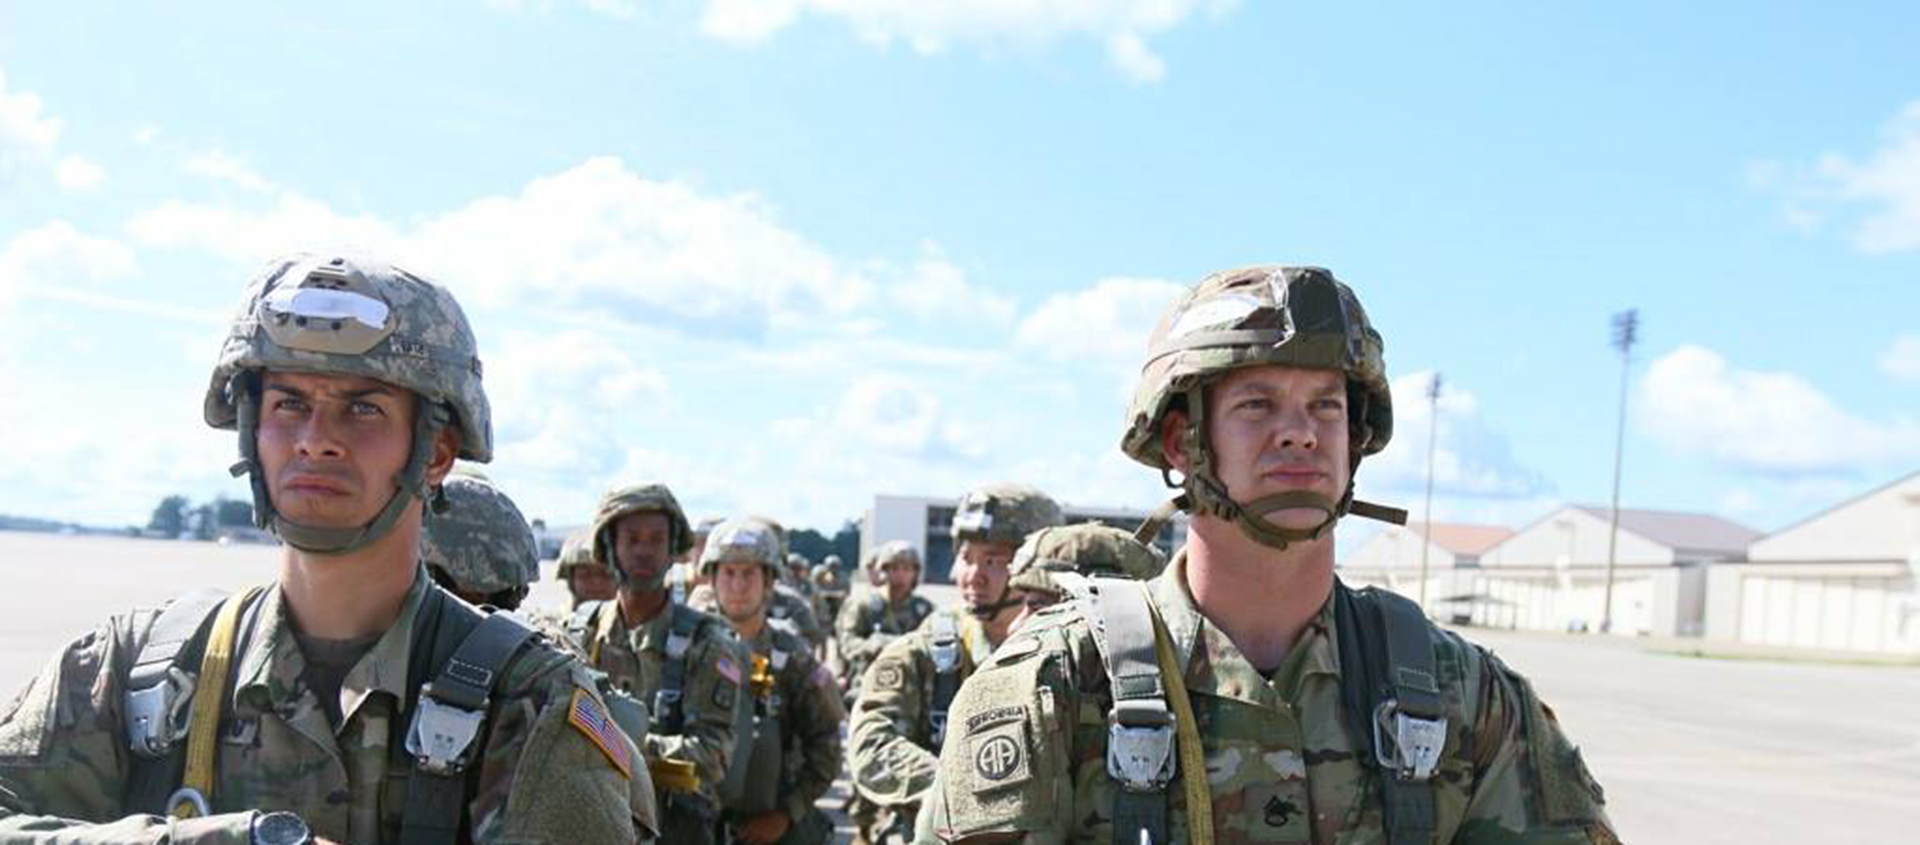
<point x="669" y="717"/>
<point x="1393" y="704"/>
<point x="445" y="729"/>
<point x="196" y="785"/>
<point x="1193" y="757"/>
<point x="1140" y="734"/>
<point x="947" y="648"/>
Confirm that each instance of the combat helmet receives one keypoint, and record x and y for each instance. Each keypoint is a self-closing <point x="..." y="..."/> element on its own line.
<point x="1255" y="316"/>
<point x="1003" y="513"/>
<point x="746" y="540"/>
<point x="345" y="316"/>
<point x="575" y="552"/>
<point x="892" y="551"/>
<point x="639" y="498"/>
<point x="1088" y="549"/>
<point x="482" y="544"/>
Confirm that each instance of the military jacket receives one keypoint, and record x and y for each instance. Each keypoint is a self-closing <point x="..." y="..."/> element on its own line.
<point x="65" y="764"/>
<point x="807" y="704"/>
<point x="713" y="695"/>
<point x="1025" y="756"/>
<point x="894" y="755"/>
<point x="868" y="622"/>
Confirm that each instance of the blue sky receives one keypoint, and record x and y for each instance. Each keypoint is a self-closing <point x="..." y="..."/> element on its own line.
<point x="784" y="254"/>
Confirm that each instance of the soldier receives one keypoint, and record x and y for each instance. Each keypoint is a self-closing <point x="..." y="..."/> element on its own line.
<point x="1245" y="694"/>
<point x="787" y="606"/>
<point x="1053" y="564"/>
<point x="797" y="713"/>
<point x="586" y="580"/>
<point x="297" y="713"/>
<point x="900" y="717"/>
<point x="686" y="665"/>
<point x="884" y="612"/>
<point x="481" y="549"/>
<point x="829" y="588"/>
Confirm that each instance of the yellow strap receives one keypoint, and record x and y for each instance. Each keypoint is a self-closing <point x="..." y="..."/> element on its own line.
<point x="209" y="698"/>
<point x="674" y="775"/>
<point x="602" y="630"/>
<point x="1193" y="762"/>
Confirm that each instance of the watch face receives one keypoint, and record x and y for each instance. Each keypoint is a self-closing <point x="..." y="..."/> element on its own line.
<point x="280" y="829"/>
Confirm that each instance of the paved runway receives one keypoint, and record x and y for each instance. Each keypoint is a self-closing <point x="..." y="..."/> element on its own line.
<point x="1690" y="750"/>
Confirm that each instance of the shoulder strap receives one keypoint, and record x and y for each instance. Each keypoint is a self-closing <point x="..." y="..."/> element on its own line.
<point x="1140" y="725"/>
<point x="945" y="646"/>
<point x="1393" y="704"/>
<point x="669" y="717"/>
<point x="159" y="697"/>
<point x="444" y="734"/>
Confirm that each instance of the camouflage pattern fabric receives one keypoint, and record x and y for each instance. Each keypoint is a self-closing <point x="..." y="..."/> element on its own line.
<point x="482" y="541"/>
<point x="64" y="760"/>
<point x="1310" y="319"/>
<point x="810" y="718"/>
<point x="423" y="342"/>
<point x="893" y="757"/>
<point x="1003" y="513"/>
<point x="1026" y="758"/>
<point x="1088" y="549"/>
<point x="713" y="696"/>
<point x="577" y="551"/>
<point x="868" y="625"/>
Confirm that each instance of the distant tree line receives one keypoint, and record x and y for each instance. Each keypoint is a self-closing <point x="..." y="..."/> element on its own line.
<point x="176" y="516"/>
<point x="816" y="546"/>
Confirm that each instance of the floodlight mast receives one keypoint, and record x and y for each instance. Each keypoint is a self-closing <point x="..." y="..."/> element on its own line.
<point x="1626" y="331"/>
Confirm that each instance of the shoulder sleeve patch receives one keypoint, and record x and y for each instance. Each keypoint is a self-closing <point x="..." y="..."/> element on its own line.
<point x="590" y="718"/>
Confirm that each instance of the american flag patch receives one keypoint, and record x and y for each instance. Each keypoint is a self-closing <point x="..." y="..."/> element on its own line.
<point x="728" y="670"/>
<point x="587" y="714"/>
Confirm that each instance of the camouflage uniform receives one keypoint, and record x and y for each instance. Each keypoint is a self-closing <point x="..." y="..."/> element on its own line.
<point x="869" y="621"/>
<point x="1051" y="557"/>
<point x="1287" y="758"/>
<point x="896" y="731"/>
<point x="713" y="700"/>
<point x="1281" y="765"/>
<point x="794" y="690"/>
<point x="541" y="774"/>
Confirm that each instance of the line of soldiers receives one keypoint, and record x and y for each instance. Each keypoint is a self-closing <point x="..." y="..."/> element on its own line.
<point x="1084" y="689"/>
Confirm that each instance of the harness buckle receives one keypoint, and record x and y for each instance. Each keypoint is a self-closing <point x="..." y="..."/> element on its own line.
<point x="1409" y="746"/>
<point x="1140" y="745"/>
<point x="442" y="734"/>
<point x="946" y="654"/>
<point x="157" y="716"/>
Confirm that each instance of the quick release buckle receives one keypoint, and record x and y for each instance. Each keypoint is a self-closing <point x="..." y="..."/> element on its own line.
<point x="442" y="734"/>
<point x="1408" y="746"/>
<point x="1140" y="745"/>
<point x="946" y="654"/>
<point x="157" y="716"/>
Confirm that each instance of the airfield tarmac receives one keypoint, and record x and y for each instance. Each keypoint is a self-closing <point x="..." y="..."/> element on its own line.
<point x="1690" y="750"/>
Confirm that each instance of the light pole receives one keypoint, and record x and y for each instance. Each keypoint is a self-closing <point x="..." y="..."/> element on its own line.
<point x="1433" y="438"/>
<point x="1626" y="330"/>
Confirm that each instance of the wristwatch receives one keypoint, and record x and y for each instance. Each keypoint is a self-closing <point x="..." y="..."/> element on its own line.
<point x="281" y="828"/>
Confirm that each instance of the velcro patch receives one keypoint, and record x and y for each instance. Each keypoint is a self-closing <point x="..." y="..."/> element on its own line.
<point x="592" y="720"/>
<point x="994" y="716"/>
<point x="1000" y="757"/>
<point x="887" y="676"/>
<point x="728" y="669"/>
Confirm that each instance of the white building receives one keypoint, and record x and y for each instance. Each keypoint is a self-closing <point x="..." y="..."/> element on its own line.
<point x="1841" y="579"/>
<point x="927" y="523"/>
<point x="1392" y="558"/>
<point x="1552" y="574"/>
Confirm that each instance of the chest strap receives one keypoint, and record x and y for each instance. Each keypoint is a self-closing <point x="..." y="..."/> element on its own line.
<point x="200" y="628"/>
<point x="947" y="648"/>
<point x="669" y="714"/>
<point x="1394" y="706"/>
<point x="1142" y="724"/>
<point x="447" y="720"/>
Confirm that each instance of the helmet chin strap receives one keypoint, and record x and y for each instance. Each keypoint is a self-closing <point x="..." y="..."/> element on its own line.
<point x="1209" y="495"/>
<point x="409" y="484"/>
<point x="986" y="612"/>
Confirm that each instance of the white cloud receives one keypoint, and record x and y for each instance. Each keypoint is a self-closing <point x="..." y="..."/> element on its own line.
<point x="1107" y="323"/>
<point x="222" y="167"/>
<point x="1767" y="422"/>
<point x="75" y="173"/>
<point x="1902" y="359"/>
<point x="56" y="255"/>
<point x="23" y="128"/>
<point x="1883" y="187"/>
<point x="145" y="134"/>
<point x="1470" y="459"/>
<point x="936" y="287"/>
<point x="1121" y="26"/>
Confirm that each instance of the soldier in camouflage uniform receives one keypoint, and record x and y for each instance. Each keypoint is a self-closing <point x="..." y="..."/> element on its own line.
<point x="1246" y="695"/>
<point x="796" y="743"/>
<point x="788" y="605"/>
<point x="899" y="718"/>
<point x="888" y="610"/>
<point x="829" y="588"/>
<point x="687" y="666"/>
<point x="481" y="549"/>
<point x="586" y="579"/>
<point x="353" y="385"/>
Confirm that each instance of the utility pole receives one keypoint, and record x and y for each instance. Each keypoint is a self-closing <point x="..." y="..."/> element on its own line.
<point x="1433" y="437"/>
<point x="1626" y="330"/>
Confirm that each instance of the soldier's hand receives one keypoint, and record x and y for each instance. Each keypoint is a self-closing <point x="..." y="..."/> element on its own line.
<point x="765" y="828"/>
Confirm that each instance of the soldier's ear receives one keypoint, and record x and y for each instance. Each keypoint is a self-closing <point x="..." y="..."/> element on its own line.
<point x="1173" y="440"/>
<point x="446" y="446"/>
